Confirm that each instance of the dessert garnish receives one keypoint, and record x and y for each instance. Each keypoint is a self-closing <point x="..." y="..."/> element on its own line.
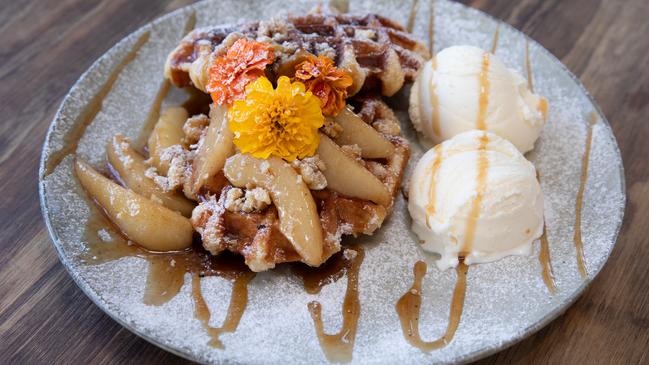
<point x="464" y="88"/>
<point x="243" y="63"/>
<point x="282" y="121"/>
<point x="475" y="196"/>
<point x="325" y="81"/>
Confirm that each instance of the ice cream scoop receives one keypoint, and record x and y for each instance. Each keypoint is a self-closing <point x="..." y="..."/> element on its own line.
<point x="464" y="88"/>
<point x="475" y="196"/>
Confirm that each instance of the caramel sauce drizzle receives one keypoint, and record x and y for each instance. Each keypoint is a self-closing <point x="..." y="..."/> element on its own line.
<point x="434" y="99"/>
<point x="92" y="108"/>
<point x="528" y="66"/>
<point x="577" y="238"/>
<point x="338" y="347"/>
<point x="153" y="115"/>
<point x="412" y="16"/>
<point x="238" y="303"/>
<point x="481" y="185"/>
<point x="190" y="24"/>
<point x="163" y="90"/>
<point x="484" y="93"/>
<point x="546" y="264"/>
<point x="432" y="189"/>
<point x="409" y="306"/>
<point x="431" y="27"/>
<point x="494" y="41"/>
<point x="341" y="5"/>
<point x="544" y="255"/>
<point x="543" y="107"/>
<point x="543" y="103"/>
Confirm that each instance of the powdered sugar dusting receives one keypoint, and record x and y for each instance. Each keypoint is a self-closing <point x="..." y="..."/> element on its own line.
<point x="505" y="300"/>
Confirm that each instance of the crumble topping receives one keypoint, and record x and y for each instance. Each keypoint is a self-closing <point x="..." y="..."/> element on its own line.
<point x="194" y="127"/>
<point x="325" y="49"/>
<point x="378" y="169"/>
<point x="369" y="34"/>
<point x="352" y="150"/>
<point x="331" y="128"/>
<point x="388" y="127"/>
<point x="206" y="220"/>
<point x="178" y="159"/>
<point x="349" y="254"/>
<point x="310" y="169"/>
<point x="256" y="199"/>
<point x="275" y="29"/>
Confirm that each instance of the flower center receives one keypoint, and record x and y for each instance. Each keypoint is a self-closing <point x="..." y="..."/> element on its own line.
<point x="277" y="116"/>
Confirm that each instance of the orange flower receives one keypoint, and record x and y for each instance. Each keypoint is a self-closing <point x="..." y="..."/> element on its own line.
<point x="325" y="81"/>
<point x="244" y="62"/>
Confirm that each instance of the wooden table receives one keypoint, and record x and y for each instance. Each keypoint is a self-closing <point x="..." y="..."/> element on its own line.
<point x="46" y="45"/>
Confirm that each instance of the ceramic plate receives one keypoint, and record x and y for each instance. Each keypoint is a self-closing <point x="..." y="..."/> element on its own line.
<point x="505" y="301"/>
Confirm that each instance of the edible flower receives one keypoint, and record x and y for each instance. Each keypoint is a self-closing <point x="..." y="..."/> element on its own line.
<point x="281" y="122"/>
<point x="324" y="80"/>
<point x="243" y="63"/>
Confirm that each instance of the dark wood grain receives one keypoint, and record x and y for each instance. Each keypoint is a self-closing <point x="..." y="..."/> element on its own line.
<point x="46" y="45"/>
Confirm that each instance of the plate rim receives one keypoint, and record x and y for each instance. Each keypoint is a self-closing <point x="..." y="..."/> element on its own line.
<point x="468" y="357"/>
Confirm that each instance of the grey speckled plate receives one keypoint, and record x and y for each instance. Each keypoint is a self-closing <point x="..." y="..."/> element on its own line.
<point x="505" y="301"/>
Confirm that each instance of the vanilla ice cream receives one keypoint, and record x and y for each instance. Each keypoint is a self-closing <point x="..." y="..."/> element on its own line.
<point x="464" y="88"/>
<point x="476" y="196"/>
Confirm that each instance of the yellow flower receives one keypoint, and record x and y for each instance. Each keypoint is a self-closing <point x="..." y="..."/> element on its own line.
<point x="282" y="122"/>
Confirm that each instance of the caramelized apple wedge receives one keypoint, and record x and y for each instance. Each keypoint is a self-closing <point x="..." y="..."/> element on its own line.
<point x="130" y="167"/>
<point x="166" y="133"/>
<point x="346" y="176"/>
<point x="214" y="148"/>
<point x="151" y="225"/>
<point x="356" y="131"/>
<point x="298" y="214"/>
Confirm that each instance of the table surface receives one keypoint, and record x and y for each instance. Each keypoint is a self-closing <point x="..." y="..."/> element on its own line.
<point x="44" y="48"/>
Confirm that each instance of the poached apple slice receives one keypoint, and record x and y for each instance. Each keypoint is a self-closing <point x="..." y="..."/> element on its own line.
<point x="356" y="131"/>
<point x="167" y="132"/>
<point x="149" y="224"/>
<point x="130" y="167"/>
<point x="346" y="176"/>
<point x="213" y="149"/>
<point x="298" y="215"/>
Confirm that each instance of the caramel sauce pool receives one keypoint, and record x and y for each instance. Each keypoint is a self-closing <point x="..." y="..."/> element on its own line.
<point x="409" y="308"/>
<point x="337" y="347"/>
<point x="166" y="272"/>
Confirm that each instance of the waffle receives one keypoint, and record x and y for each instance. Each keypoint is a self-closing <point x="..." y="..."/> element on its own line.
<point x="257" y="236"/>
<point x="376" y="51"/>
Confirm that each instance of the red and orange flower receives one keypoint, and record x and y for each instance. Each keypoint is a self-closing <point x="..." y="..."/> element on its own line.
<point x="244" y="62"/>
<point x="325" y="81"/>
